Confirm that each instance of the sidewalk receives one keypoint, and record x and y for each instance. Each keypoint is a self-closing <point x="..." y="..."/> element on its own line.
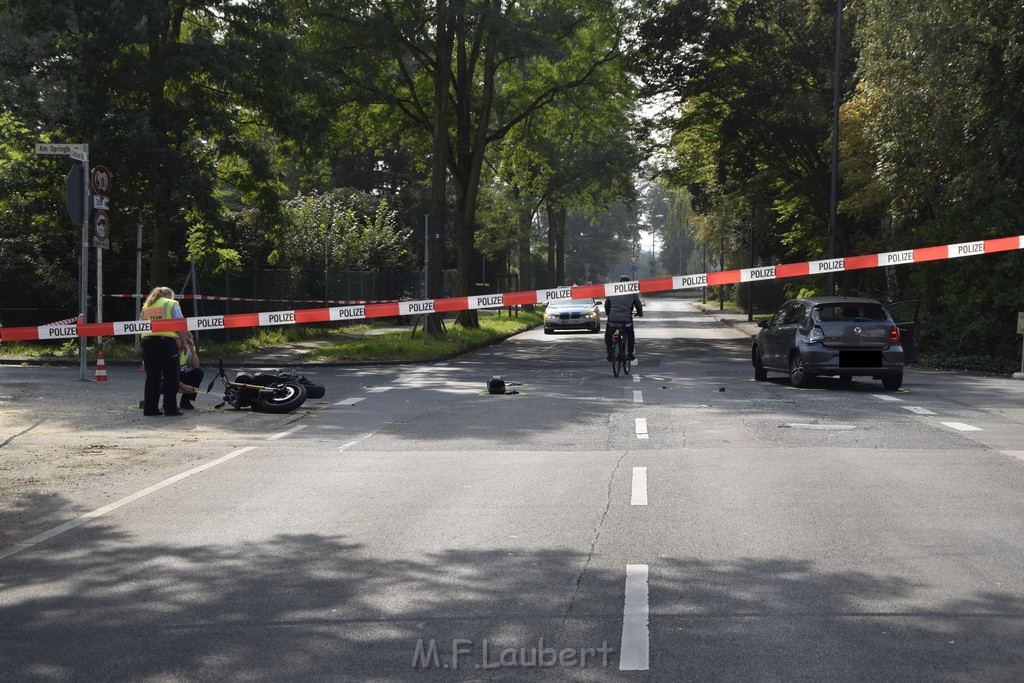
<point x="737" y="321"/>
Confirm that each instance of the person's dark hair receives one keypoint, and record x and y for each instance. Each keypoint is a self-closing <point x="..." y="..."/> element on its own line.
<point x="623" y="278"/>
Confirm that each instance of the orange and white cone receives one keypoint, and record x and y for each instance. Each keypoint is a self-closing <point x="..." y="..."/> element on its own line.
<point x="101" y="368"/>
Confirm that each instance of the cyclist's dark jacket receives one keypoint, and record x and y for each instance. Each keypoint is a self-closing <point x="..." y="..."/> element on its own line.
<point x="619" y="308"/>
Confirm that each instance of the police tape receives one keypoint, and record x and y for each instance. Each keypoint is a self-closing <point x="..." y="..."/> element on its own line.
<point x="540" y="296"/>
<point x="217" y="297"/>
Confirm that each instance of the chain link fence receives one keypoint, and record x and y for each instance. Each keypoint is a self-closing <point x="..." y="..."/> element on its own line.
<point x="25" y="301"/>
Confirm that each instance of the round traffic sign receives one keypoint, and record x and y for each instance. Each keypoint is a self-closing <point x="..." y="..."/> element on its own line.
<point x="101" y="225"/>
<point x="101" y="180"/>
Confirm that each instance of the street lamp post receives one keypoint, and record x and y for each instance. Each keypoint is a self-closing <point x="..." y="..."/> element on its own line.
<point x="834" y="195"/>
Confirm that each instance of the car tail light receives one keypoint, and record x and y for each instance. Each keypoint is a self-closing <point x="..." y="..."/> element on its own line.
<point x="894" y="335"/>
<point x="815" y="335"/>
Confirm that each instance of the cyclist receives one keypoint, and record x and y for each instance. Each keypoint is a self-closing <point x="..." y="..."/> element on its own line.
<point x="619" y="309"/>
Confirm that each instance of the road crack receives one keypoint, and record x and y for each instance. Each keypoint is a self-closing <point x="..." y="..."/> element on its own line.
<point x="593" y="545"/>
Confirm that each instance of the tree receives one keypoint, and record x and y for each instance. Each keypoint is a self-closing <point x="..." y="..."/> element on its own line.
<point x="508" y="60"/>
<point x="751" y="82"/>
<point x="171" y="96"/>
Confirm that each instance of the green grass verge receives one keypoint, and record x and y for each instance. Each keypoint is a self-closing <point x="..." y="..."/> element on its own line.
<point x="731" y="307"/>
<point x="398" y="346"/>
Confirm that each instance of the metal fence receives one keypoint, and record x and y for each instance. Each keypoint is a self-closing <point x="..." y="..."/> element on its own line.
<point x="25" y="301"/>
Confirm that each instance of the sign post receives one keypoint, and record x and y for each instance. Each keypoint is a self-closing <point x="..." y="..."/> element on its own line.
<point x="78" y="152"/>
<point x="1020" y="330"/>
<point x="101" y="180"/>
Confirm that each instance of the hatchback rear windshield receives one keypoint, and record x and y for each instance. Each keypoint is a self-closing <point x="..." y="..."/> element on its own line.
<point x="846" y="312"/>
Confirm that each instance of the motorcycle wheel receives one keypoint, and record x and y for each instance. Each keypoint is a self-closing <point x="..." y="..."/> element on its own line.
<point x="286" y="397"/>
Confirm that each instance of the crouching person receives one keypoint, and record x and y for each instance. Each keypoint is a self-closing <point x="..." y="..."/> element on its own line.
<point x="191" y="375"/>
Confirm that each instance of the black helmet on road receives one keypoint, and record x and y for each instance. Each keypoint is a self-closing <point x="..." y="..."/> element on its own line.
<point x="496" y="385"/>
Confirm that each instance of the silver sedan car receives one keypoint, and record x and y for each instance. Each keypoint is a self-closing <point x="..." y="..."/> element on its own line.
<point x="572" y="314"/>
<point x="838" y="336"/>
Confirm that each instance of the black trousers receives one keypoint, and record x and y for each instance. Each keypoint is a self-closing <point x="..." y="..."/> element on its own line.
<point x="192" y="377"/>
<point x="627" y="330"/>
<point x="161" y="357"/>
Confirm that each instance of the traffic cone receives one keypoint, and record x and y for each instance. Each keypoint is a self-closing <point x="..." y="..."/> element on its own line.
<point x="101" y="368"/>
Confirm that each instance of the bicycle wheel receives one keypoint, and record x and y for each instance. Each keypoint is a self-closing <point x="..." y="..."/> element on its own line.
<point x="616" y="356"/>
<point x="625" y="363"/>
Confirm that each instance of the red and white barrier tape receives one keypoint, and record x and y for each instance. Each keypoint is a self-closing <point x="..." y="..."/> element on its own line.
<point x="66" y="321"/>
<point x="213" y="297"/>
<point x="462" y="303"/>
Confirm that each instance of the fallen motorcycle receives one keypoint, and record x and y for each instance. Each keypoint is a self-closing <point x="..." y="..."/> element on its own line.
<point x="280" y="392"/>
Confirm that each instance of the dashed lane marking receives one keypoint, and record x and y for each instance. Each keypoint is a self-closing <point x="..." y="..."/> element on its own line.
<point x="349" y="401"/>
<point x="379" y="390"/>
<point x="887" y="397"/>
<point x="281" y="435"/>
<point x="918" y="410"/>
<point x="638" y="494"/>
<point x="961" y="427"/>
<point x="353" y="443"/>
<point x="638" y="397"/>
<point x="636" y="378"/>
<point x="641" y="428"/>
<point x="634" y="650"/>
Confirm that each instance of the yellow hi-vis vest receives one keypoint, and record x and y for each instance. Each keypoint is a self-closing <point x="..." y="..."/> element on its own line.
<point x="160" y="310"/>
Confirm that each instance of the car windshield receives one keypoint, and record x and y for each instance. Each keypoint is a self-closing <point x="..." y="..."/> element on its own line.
<point x="849" y="312"/>
<point x="574" y="303"/>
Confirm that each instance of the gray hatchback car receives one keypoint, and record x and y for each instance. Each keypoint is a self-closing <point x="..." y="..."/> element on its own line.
<point x="838" y="336"/>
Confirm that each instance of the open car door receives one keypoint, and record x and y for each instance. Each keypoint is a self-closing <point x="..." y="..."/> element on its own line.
<point x="906" y="315"/>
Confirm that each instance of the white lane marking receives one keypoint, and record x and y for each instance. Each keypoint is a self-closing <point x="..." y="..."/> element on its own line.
<point x="281" y="435"/>
<point x="638" y="397"/>
<point x="635" y="362"/>
<point x="887" y="397"/>
<point x="634" y="650"/>
<point x="440" y="365"/>
<point x="638" y="495"/>
<point x="636" y="378"/>
<point x="641" y="428"/>
<point x="961" y="427"/>
<point x="379" y="390"/>
<point x="57" y="530"/>
<point x="349" y="401"/>
<point x="800" y="425"/>
<point x="918" y="410"/>
<point x="353" y="443"/>
<point x="1014" y="454"/>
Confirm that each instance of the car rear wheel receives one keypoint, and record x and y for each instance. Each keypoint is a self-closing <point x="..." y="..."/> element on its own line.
<point x="798" y="376"/>
<point x="760" y="374"/>
<point x="548" y="330"/>
<point x="893" y="382"/>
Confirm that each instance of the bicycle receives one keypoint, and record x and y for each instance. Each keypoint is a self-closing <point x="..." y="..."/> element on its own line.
<point x="620" y="354"/>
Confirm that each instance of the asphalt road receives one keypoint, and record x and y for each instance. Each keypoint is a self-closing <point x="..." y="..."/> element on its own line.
<point x="681" y="523"/>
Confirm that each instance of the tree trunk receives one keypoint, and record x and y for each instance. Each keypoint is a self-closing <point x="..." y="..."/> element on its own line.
<point x="525" y="259"/>
<point x="439" y="177"/>
<point x="551" y="247"/>
<point x="560" y="247"/>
